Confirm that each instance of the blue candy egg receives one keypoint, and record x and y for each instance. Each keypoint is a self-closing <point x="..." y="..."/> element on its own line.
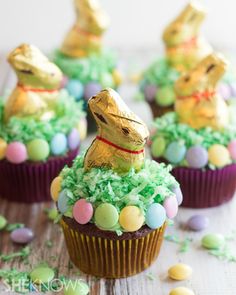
<point x="91" y="89"/>
<point x="75" y="89"/>
<point x="175" y="152"/>
<point x="58" y="144"/>
<point x="178" y="194"/>
<point x="73" y="139"/>
<point x="197" y="157"/>
<point x="155" y="216"/>
<point x="62" y="202"/>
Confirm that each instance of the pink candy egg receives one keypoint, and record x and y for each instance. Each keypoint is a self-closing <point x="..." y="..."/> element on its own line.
<point x="232" y="149"/>
<point x="171" y="206"/>
<point x="16" y="152"/>
<point x="82" y="211"/>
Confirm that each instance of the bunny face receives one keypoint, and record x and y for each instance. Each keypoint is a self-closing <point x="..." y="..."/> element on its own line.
<point x="33" y="68"/>
<point x="185" y="27"/>
<point x="204" y="76"/>
<point x="116" y="122"/>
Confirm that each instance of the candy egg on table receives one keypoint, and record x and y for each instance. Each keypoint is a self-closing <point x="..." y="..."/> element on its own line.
<point x="58" y="144"/>
<point x="73" y="139"/>
<point x="16" y="152"/>
<point x="106" y="216"/>
<point x="181" y="291"/>
<point x="198" y="222"/>
<point x="22" y="235"/>
<point x="171" y="207"/>
<point x="3" y="222"/>
<point x="158" y="147"/>
<point x="82" y="211"/>
<point x="197" y="157"/>
<point x="131" y="218"/>
<point x="175" y="152"/>
<point x="213" y="241"/>
<point x="62" y="202"/>
<point x="38" y="149"/>
<point x="180" y="272"/>
<point x="165" y="96"/>
<point x="91" y="89"/>
<point x="76" y="288"/>
<point x="219" y="155"/>
<point x="232" y="149"/>
<point x="42" y="274"/>
<point x="55" y="187"/>
<point x="3" y="147"/>
<point x="150" y="92"/>
<point x="75" y="88"/>
<point x="155" y="216"/>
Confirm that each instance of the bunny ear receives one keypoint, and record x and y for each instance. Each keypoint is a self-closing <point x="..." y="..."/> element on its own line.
<point x="192" y="12"/>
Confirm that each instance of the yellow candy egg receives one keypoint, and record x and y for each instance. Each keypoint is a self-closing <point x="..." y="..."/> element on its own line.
<point x="181" y="291"/>
<point x="3" y="147"/>
<point x="218" y="155"/>
<point x="180" y="272"/>
<point x="131" y="218"/>
<point x="117" y="77"/>
<point x="55" y="188"/>
<point x="82" y="128"/>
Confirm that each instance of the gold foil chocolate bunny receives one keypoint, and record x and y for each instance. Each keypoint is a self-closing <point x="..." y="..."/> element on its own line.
<point x="86" y="35"/>
<point x="121" y="134"/>
<point x="198" y="104"/>
<point x="38" y="82"/>
<point x="184" y="47"/>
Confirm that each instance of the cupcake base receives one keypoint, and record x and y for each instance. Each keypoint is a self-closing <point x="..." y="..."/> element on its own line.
<point x="105" y="254"/>
<point x="30" y="182"/>
<point x="158" y="111"/>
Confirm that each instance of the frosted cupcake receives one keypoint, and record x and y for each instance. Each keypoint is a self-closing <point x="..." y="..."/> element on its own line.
<point x="198" y="138"/>
<point x="113" y="203"/>
<point x="40" y="128"/>
<point x="82" y="57"/>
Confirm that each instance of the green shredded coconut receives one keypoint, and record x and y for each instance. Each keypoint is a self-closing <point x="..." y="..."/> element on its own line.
<point x="150" y="276"/>
<point x="23" y="254"/>
<point x="12" y="226"/>
<point x="184" y="245"/>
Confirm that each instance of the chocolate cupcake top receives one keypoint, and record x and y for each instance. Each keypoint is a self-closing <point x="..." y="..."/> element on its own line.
<point x="112" y="185"/>
<point x="38" y="118"/>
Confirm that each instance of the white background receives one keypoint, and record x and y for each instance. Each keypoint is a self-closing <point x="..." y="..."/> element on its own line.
<point x="134" y="23"/>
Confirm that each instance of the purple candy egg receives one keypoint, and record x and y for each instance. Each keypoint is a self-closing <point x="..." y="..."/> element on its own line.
<point x="22" y="235"/>
<point x="150" y="92"/>
<point x="197" y="157"/>
<point x="178" y="194"/>
<point x="91" y="89"/>
<point x="198" y="222"/>
<point x="224" y="90"/>
<point x="73" y="139"/>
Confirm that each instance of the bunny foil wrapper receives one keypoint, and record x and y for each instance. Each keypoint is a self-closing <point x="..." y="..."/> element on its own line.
<point x="198" y="103"/>
<point x="121" y="137"/>
<point x="36" y="92"/>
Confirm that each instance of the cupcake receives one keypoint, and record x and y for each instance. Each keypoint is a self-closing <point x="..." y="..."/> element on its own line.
<point x="40" y="128"/>
<point x="198" y="139"/>
<point x="113" y="203"/>
<point x="184" y="48"/>
<point x="82" y="58"/>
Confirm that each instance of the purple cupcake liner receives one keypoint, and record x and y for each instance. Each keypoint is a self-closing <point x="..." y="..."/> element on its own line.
<point x="30" y="182"/>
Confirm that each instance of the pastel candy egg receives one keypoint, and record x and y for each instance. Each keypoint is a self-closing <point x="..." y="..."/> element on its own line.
<point x="82" y="128"/>
<point x="106" y="216"/>
<point x="165" y="96"/>
<point x="75" y="89"/>
<point x="3" y="147"/>
<point x="233" y="89"/>
<point x="178" y="194"/>
<point x="58" y="144"/>
<point x="55" y="188"/>
<point x="180" y="272"/>
<point x="175" y="152"/>
<point x="150" y="92"/>
<point x="158" y="147"/>
<point x="76" y="288"/>
<point x="106" y="80"/>
<point x="232" y="149"/>
<point x="224" y="90"/>
<point x="131" y="218"/>
<point x="82" y="211"/>
<point x="218" y="155"/>
<point x="213" y="241"/>
<point x="155" y="216"/>
<point x="197" y="157"/>
<point x="171" y="206"/>
<point x="42" y="274"/>
<point x="117" y="77"/>
<point x="62" y="202"/>
<point x="181" y="291"/>
<point x="22" y="235"/>
<point x="3" y="222"/>
<point x="16" y="152"/>
<point x="73" y="139"/>
<point x="38" y="150"/>
<point x="91" y="89"/>
<point x="198" y="222"/>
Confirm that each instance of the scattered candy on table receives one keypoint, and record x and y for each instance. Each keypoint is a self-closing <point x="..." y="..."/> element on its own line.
<point x="106" y="216"/>
<point x="76" y="288"/>
<point x="82" y="211"/>
<point x="213" y="241"/>
<point x="198" y="222"/>
<point x="42" y="274"/>
<point x="22" y="235"/>
<point x="180" y="272"/>
<point x="131" y="218"/>
<point x="3" y="222"/>
<point x="181" y="291"/>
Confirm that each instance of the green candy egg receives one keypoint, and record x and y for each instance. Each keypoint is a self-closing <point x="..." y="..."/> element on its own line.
<point x="42" y="274"/>
<point x="106" y="216"/>
<point x="158" y="147"/>
<point x="165" y="96"/>
<point x="213" y="241"/>
<point x="3" y="222"/>
<point x="76" y="288"/>
<point x="38" y="149"/>
<point x="106" y="80"/>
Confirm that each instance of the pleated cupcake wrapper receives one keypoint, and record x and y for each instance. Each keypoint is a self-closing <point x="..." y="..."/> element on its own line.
<point x="204" y="189"/>
<point x="30" y="182"/>
<point x="158" y="111"/>
<point x="112" y="258"/>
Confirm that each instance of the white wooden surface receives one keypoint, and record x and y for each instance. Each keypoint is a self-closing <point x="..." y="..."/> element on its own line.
<point x="210" y="275"/>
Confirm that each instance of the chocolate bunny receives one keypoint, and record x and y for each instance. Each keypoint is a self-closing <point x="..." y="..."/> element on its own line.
<point x="198" y="104"/>
<point x="184" y="47"/>
<point x="86" y="35"/>
<point x="38" y="82"/>
<point x="121" y="134"/>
